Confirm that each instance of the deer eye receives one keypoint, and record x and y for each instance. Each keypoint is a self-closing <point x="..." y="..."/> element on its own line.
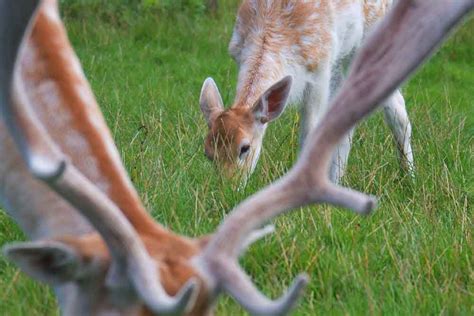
<point x="244" y="150"/>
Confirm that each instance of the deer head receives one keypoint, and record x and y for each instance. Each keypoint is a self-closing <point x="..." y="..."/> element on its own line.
<point x="119" y="260"/>
<point x="235" y="135"/>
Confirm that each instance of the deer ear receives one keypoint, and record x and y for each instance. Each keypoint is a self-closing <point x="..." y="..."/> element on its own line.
<point x="210" y="101"/>
<point x="272" y="103"/>
<point x="51" y="262"/>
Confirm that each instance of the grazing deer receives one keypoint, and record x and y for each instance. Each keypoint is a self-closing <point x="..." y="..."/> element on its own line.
<point x="61" y="177"/>
<point x="292" y="51"/>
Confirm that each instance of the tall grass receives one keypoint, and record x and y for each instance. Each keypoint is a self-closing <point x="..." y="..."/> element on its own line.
<point x="413" y="256"/>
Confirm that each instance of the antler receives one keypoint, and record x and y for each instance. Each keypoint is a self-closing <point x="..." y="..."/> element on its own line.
<point x="46" y="162"/>
<point x="402" y="41"/>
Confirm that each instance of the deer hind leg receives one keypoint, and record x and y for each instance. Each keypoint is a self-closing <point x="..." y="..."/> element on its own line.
<point x="396" y="117"/>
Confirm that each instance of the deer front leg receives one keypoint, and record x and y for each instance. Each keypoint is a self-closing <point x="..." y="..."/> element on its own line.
<point x="340" y="158"/>
<point x="315" y="102"/>
<point x="341" y="154"/>
<point x="396" y="117"/>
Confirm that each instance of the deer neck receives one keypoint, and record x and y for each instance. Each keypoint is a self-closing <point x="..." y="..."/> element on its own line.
<point x="258" y="73"/>
<point x="64" y="103"/>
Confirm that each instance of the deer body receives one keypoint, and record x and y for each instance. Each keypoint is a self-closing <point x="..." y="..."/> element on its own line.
<point x="309" y="41"/>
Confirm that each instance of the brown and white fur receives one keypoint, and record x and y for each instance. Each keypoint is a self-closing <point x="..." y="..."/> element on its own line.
<point x="309" y="42"/>
<point x="66" y="251"/>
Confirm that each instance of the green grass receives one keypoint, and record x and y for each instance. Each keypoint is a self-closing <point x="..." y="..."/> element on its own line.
<point x="415" y="255"/>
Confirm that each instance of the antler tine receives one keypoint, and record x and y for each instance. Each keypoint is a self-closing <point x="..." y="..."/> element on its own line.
<point x="46" y="161"/>
<point x="238" y="285"/>
<point x="402" y="41"/>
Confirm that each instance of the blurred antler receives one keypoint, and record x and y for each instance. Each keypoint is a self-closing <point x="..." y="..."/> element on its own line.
<point x="402" y="41"/>
<point x="46" y="162"/>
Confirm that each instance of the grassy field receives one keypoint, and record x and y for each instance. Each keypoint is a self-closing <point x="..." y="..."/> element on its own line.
<point x="414" y="256"/>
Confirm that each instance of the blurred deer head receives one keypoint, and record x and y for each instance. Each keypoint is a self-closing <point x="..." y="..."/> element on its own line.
<point x="92" y="240"/>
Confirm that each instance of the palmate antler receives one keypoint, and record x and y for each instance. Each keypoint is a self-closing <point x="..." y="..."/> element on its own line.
<point x="403" y="40"/>
<point x="46" y="161"/>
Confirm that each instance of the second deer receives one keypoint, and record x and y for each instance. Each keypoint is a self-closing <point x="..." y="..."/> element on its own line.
<point x="292" y="51"/>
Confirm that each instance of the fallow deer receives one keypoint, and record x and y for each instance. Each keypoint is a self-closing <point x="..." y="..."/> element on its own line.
<point x="61" y="177"/>
<point x="292" y="51"/>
